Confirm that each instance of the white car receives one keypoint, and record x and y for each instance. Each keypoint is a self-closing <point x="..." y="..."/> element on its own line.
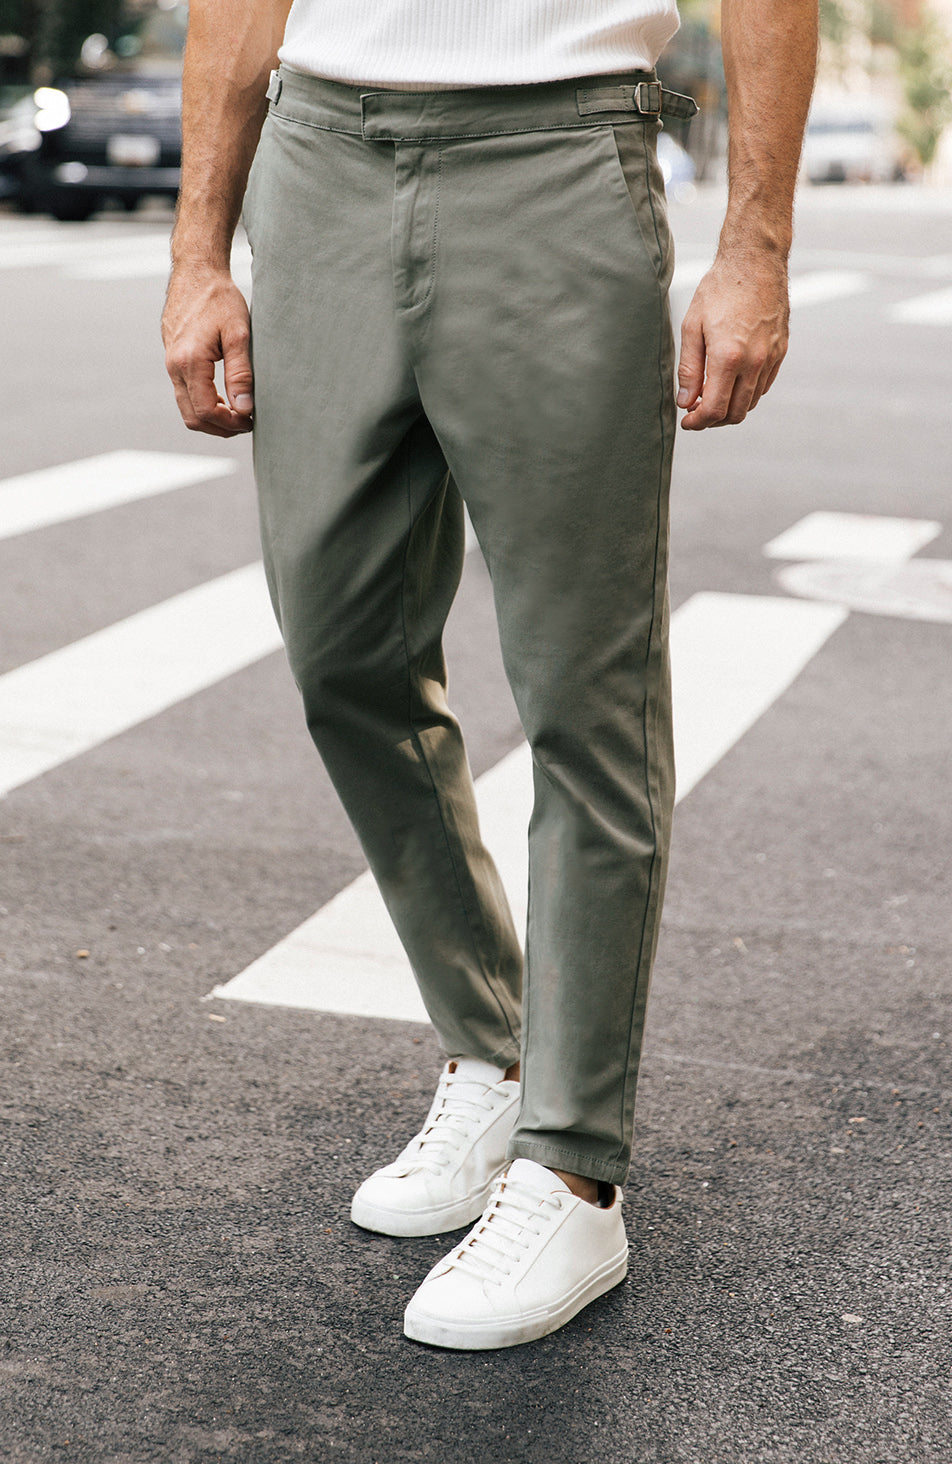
<point x="851" y="146"/>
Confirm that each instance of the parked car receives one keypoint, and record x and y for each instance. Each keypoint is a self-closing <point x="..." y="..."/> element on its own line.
<point x="113" y="130"/>
<point x="851" y="143"/>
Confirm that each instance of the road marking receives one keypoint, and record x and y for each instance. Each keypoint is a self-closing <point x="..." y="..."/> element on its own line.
<point x="688" y="273"/>
<point x="927" y="266"/>
<point x="864" y="562"/>
<point x="853" y="536"/>
<point x="932" y="309"/>
<point x="72" y="251"/>
<point x="151" y="263"/>
<point x="96" y="256"/>
<point x="821" y="286"/>
<point x="149" y="260"/>
<point x="814" y="288"/>
<point x="62" y="705"/>
<point x="732" y="656"/>
<point x="919" y="590"/>
<point x="73" y="490"/>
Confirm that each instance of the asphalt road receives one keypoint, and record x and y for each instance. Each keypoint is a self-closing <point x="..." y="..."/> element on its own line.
<point x="181" y="1280"/>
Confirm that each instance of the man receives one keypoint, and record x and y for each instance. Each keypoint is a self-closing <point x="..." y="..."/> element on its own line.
<point x="460" y="296"/>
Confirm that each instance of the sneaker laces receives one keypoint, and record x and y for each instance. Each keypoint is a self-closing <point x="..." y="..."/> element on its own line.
<point x="515" y="1215"/>
<point x="449" y="1126"/>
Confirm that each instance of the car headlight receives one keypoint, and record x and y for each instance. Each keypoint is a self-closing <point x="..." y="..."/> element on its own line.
<point x="52" y="108"/>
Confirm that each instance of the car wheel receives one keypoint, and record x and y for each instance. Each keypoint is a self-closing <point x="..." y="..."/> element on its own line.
<point x="71" y="210"/>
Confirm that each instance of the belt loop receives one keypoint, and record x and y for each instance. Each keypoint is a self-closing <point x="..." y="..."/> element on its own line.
<point x="274" y="87"/>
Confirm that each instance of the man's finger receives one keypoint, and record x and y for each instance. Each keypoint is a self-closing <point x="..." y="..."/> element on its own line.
<point x="198" y="400"/>
<point x="772" y="375"/>
<point x="742" y="401"/>
<point x="691" y="363"/>
<point x="764" y="381"/>
<point x="722" y="374"/>
<point x="239" y="385"/>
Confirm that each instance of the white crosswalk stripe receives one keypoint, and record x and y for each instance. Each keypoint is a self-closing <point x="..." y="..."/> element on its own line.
<point x="823" y="286"/>
<point x="931" y="309"/>
<point x="95" y="255"/>
<point x="813" y="288"/>
<point x="863" y="536"/>
<point x="865" y="562"/>
<point x="827" y="286"/>
<point x="71" y="700"/>
<point x="89" y="485"/>
<point x="41" y="248"/>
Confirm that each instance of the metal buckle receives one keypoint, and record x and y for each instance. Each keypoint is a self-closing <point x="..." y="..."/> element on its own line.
<point x="648" y="98"/>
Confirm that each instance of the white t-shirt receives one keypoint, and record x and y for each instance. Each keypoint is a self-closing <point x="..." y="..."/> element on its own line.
<point x="459" y="43"/>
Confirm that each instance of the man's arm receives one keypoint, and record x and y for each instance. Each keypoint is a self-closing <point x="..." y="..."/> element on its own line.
<point x="232" y="46"/>
<point x="734" y="335"/>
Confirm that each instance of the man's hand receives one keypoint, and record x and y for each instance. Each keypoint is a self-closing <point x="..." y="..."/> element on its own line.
<point x="733" y="339"/>
<point x="206" y="321"/>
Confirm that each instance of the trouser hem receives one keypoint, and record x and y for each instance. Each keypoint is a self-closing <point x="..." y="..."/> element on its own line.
<point x="572" y="1161"/>
<point x="503" y="1057"/>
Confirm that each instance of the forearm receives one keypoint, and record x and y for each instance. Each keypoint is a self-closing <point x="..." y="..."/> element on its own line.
<point x="734" y="333"/>
<point x="769" y="49"/>
<point x="232" y="46"/>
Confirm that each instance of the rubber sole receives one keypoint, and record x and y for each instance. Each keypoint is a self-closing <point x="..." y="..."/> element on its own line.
<point x="496" y="1332"/>
<point x="407" y="1224"/>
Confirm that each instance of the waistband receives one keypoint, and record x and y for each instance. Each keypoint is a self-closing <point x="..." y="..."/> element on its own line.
<point x="484" y="111"/>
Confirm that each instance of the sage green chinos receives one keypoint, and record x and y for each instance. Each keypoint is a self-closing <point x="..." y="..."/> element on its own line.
<point x="461" y="297"/>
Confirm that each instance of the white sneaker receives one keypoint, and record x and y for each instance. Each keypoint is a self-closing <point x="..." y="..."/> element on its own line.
<point x="537" y="1256"/>
<point x="445" y="1175"/>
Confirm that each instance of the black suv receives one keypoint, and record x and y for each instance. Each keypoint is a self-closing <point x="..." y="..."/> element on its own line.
<point x="114" y="131"/>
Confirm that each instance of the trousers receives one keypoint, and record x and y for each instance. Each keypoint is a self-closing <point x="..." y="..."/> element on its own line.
<point x="460" y="298"/>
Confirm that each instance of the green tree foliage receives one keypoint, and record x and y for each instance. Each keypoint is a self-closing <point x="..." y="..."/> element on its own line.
<point x="834" y="21"/>
<point x="925" y="65"/>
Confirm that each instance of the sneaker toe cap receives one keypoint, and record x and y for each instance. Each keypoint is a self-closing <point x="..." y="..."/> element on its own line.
<point x="397" y="1188"/>
<point x="447" y="1294"/>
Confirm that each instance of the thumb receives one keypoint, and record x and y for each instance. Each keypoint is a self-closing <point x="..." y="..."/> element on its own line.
<point x="239" y="381"/>
<point x="691" y="364"/>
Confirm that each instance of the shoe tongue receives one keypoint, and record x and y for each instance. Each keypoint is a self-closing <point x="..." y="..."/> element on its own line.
<point x="537" y="1177"/>
<point x="474" y="1070"/>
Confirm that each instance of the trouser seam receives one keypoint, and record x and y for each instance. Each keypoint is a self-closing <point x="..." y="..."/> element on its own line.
<point x="650" y="896"/>
<point x="421" y="751"/>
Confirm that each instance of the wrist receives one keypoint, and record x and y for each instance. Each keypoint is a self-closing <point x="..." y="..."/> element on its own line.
<point x="201" y="251"/>
<point x="759" y="218"/>
<point x="767" y="240"/>
<point x="204" y="232"/>
<point x="197" y="264"/>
